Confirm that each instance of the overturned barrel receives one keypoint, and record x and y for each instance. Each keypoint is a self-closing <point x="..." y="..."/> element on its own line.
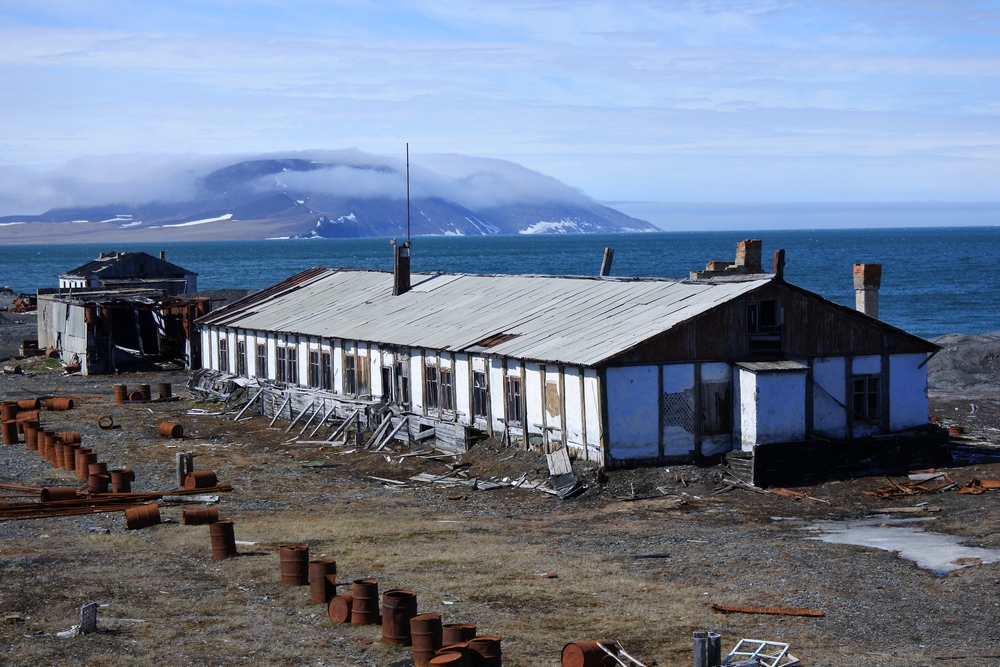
<point x="170" y="430"/>
<point x="201" y="517"/>
<point x="339" y="608"/>
<point x="142" y="516"/>
<point x="588" y="654"/>
<point x="59" y="404"/>
<point x="322" y="580"/>
<point x="294" y="559"/>
<point x="425" y="634"/>
<point x="200" y="479"/>
<point x="449" y="659"/>
<point x="223" y="539"/>
<point x="398" y="607"/>
<point x="50" y="493"/>
<point x="364" y="610"/>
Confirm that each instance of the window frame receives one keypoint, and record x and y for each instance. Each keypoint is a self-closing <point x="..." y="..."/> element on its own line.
<point x="431" y="387"/>
<point x="223" y="354"/>
<point x="262" y="360"/>
<point x="480" y="395"/>
<point x="870" y="396"/>
<point x="513" y="397"/>
<point x="446" y="384"/>
<point x="241" y="358"/>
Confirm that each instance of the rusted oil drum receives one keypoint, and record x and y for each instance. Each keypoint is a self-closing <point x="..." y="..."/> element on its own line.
<point x="106" y="422"/>
<point x="956" y="430"/>
<point x="98" y="482"/>
<point x="449" y="659"/>
<point x="59" y="404"/>
<point x="70" y="436"/>
<point x="143" y="390"/>
<point x="364" y="609"/>
<point x="121" y="480"/>
<point x="121" y="393"/>
<point x="97" y="468"/>
<point x="200" y="479"/>
<point x="587" y="654"/>
<point x="223" y="539"/>
<point x="69" y="456"/>
<point x="485" y="651"/>
<point x="458" y="647"/>
<point x="50" y="493"/>
<point x="50" y="445"/>
<point x="322" y="580"/>
<point x="339" y="608"/>
<point x="456" y="633"/>
<point x="31" y="434"/>
<point x="135" y="396"/>
<point x="164" y="390"/>
<point x="58" y="452"/>
<point x="142" y="516"/>
<point x="294" y="564"/>
<point x="171" y="430"/>
<point x="84" y="457"/>
<point x="398" y="607"/>
<point x="10" y="432"/>
<point x="8" y="410"/>
<point x="25" y="416"/>
<point x="201" y="517"/>
<point x="29" y="404"/>
<point x="425" y="633"/>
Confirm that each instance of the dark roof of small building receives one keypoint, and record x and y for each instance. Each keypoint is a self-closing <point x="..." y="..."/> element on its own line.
<point x="112" y="264"/>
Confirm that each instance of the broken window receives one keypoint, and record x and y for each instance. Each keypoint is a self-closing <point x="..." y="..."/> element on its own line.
<point x="513" y="400"/>
<point x="402" y="383"/>
<point x="223" y="355"/>
<point x="293" y="365"/>
<point x="313" y="368"/>
<point x="480" y="395"/>
<point x="447" y="390"/>
<point x="431" y="385"/>
<point x="763" y="325"/>
<point x="280" y="367"/>
<point x="350" y="377"/>
<point x="716" y="408"/>
<point x="326" y="370"/>
<point x="387" y="383"/>
<point x="261" y="360"/>
<point x="866" y="396"/>
<point x="241" y="357"/>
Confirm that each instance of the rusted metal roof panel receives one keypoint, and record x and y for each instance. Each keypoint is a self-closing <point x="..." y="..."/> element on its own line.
<point x="572" y="320"/>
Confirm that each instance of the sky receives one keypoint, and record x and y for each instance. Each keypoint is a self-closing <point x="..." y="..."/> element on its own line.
<point x="708" y="101"/>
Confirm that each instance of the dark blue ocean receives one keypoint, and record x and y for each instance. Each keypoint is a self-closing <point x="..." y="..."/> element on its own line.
<point x="934" y="280"/>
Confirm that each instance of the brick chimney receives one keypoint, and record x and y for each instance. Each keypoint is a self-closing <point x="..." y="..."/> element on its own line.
<point x="748" y="255"/>
<point x="867" y="280"/>
<point x="401" y="268"/>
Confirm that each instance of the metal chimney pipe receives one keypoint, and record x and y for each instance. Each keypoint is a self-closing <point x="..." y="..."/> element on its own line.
<point x="867" y="280"/>
<point x="609" y="255"/>
<point x="401" y="268"/>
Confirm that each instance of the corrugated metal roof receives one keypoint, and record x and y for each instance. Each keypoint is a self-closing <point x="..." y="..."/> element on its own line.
<point x="571" y="320"/>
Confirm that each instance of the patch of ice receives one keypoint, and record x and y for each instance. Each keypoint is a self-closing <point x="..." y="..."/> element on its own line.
<point x="8" y="224"/>
<point x="227" y="216"/>
<point x="565" y="226"/>
<point x="130" y="224"/>
<point x="937" y="552"/>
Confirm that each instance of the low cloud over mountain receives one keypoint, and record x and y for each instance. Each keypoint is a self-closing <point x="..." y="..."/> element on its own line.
<point x="327" y="194"/>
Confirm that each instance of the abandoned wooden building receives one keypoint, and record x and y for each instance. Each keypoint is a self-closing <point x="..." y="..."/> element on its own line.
<point x="131" y="270"/>
<point x="621" y="371"/>
<point x="112" y="330"/>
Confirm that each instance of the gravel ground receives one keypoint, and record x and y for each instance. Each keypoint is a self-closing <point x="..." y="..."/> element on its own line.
<point x="642" y="571"/>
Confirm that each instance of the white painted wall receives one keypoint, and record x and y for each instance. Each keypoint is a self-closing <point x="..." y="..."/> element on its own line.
<point x="573" y="401"/>
<point x="463" y="391"/>
<point x="592" y="414"/>
<point x="772" y="407"/>
<point x="830" y="396"/>
<point x="677" y="378"/>
<point x="532" y="391"/>
<point x="417" y="380"/>
<point x="495" y="380"/>
<point x="633" y="412"/>
<point x="907" y="391"/>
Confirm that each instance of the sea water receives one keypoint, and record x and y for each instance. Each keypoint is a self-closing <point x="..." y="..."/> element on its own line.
<point x="934" y="280"/>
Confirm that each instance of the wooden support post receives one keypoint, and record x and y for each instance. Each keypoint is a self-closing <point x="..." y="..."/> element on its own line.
<point x="278" y="411"/>
<point x="343" y="427"/>
<point x="379" y="432"/>
<point x="311" y="418"/>
<point x="323" y="420"/>
<point x="402" y="422"/>
<point x="249" y="403"/>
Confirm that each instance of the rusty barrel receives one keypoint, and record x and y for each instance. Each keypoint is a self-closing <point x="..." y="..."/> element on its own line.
<point x="31" y="434"/>
<point x="9" y="410"/>
<point x="457" y="647"/>
<point x="449" y="659"/>
<point x="223" y="539"/>
<point x="364" y="609"/>
<point x="10" y="432"/>
<point x="294" y="564"/>
<point x="98" y="482"/>
<point x="200" y="479"/>
<point x="425" y="633"/>
<point x="143" y="390"/>
<point x="201" y="517"/>
<point x="164" y="390"/>
<point x="121" y="393"/>
<point x="25" y="416"/>
<point x="58" y="453"/>
<point x="106" y="422"/>
<point x="135" y="396"/>
<point x="121" y="480"/>
<point x="69" y="456"/>
<point x="50" y="446"/>
<point x="485" y="651"/>
<point x="29" y="404"/>
<point x="84" y="457"/>
<point x="339" y="608"/>
<point x="70" y="436"/>
<point x="50" y="493"/>
<point x="170" y="430"/>
<point x="142" y="516"/>
<point x="456" y="633"/>
<point x="398" y="607"/>
<point x="59" y="404"/>
<point x="587" y="654"/>
<point x="97" y="468"/>
<point x="322" y="580"/>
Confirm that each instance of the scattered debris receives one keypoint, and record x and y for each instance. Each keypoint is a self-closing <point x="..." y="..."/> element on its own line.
<point x="764" y="653"/>
<point x="977" y="486"/>
<point x="779" y="611"/>
<point x="564" y="482"/>
<point x="942" y="482"/>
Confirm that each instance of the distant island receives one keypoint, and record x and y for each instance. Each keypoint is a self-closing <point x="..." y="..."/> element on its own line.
<point x="327" y="194"/>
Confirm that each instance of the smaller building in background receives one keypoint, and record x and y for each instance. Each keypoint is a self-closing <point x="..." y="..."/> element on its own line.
<point x="131" y="270"/>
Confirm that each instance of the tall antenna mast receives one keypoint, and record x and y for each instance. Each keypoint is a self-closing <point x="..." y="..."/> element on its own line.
<point x="407" y="191"/>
